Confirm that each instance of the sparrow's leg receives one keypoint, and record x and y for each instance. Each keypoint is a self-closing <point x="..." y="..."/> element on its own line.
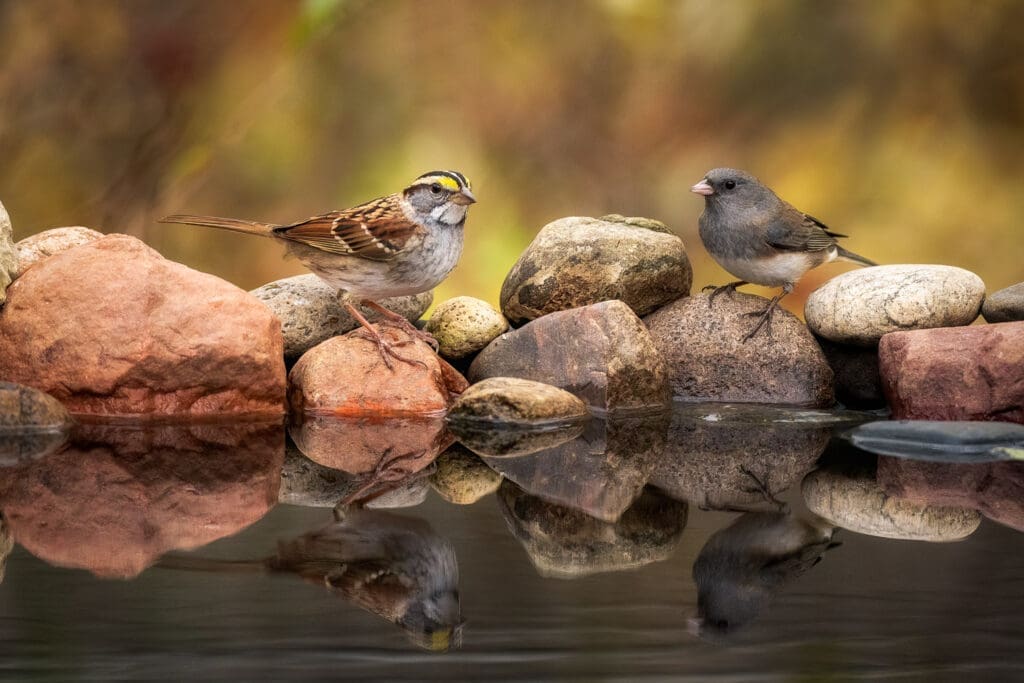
<point x="731" y="287"/>
<point x="766" y="315"/>
<point x="401" y="323"/>
<point x="386" y="348"/>
<point x="388" y="472"/>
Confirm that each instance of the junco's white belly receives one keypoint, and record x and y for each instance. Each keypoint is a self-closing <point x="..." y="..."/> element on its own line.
<point x="771" y="271"/>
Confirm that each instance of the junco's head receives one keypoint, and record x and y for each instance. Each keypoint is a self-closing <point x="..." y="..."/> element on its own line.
<point x="721" y="185"/>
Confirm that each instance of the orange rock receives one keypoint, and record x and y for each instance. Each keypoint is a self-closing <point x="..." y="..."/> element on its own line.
<point x="346" y="376"/>
<point x="114" y="504"/>
<point x="111" y="327"/>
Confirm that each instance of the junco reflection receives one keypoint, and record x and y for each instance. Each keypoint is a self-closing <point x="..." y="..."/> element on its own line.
<point x="743" y="566"/>
<point x="760" y="238"/>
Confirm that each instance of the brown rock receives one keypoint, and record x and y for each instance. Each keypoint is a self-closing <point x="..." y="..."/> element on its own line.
<point x="600" y="473"/>
<point x="578" y="261"/>
<point x="996" y="489"/>
<point x="8" y="254"/>
<point x="43" y="245"/>
<point x="564" y="543"/>
<point x="363" y="445"/>
<point x="601" y="353"/>
<point x="736" y="465"/>
<point x="125" y="496"/>
<point x="510" y="399"/>
<point x="346" y="376"/>
<point x="708" y="360"/>
<point x="960" y="373"/>
<point x="111" y="327"/>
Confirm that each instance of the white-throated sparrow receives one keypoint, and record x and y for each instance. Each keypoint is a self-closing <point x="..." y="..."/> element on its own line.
<point x="404" y="243"/>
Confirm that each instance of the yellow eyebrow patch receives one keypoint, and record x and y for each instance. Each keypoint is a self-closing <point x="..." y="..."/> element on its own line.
<point x="444" y="181"/>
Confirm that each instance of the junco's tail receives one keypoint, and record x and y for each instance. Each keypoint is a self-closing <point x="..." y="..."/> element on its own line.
<point x="854" y="258"/>
<point x="248" y="227"/>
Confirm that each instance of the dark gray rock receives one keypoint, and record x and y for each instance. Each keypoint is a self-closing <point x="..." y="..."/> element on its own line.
<point x="578" y="261"/>
<point x="1005" y="306"/>
<point x="708" y="360"/>
<point x="565" y="543"/>
<point x="941" y="440"/>
<point x="311" y="311"/>
<point x="602" y="353"/>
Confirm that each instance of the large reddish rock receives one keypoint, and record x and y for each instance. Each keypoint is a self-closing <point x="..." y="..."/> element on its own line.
<point x="995" y="489"/>
<point x="347" y="376"/>
<point x="955" y="373"/>
<point x="112" y="327"/>
<point x="601" y="353"/>
<point x="119" y="498"/>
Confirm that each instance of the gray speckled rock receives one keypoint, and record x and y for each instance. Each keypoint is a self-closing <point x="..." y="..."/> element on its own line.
<point x="8" y="254"/>
<point x="708" y="360"/>
<point x="578" y="261"/>
<point x="860" y="306"/>
<point x="45" y="244"/>
<point x="464" y="325"/>
<point x="311" y="311"/>
<point x="1006" y="305"/>
<point x="511" y="399"/>
<point x="857" y="502"/>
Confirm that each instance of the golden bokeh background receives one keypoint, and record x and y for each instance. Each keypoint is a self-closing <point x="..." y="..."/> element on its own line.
<point x="899" y="123"/>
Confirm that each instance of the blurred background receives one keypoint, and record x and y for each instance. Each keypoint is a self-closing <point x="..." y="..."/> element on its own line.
<point x="900" y="124"/>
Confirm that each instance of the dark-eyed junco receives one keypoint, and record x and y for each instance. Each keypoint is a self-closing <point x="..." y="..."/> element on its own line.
<point x="741" y="568"/>
<point x="760" y="238"/>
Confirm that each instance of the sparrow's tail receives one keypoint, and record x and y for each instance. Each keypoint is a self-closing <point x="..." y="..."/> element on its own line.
<point x="248" y="227"/>
<point x="854" y="258"/>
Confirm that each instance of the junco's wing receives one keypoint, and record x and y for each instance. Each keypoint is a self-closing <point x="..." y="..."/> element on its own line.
<point x="794" y="230"/>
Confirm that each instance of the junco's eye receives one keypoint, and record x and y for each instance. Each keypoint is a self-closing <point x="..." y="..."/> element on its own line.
<point x="730" y="184"/>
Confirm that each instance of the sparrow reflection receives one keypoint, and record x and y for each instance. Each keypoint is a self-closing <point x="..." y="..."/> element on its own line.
<point x="743" y="566"/>
<point x="390" y="565"/>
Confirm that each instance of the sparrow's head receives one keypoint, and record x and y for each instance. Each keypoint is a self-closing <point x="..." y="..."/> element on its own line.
<point x="731" y="186"/>
<point x="440" y="196"/>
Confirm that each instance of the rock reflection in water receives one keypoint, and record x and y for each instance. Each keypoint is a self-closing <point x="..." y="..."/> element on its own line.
<point x="736" y="463"/>
<point x="510" y="439"/>
<point x="384" y="454"/>
<point x="600" y="472"/>
<point x="119" y="497"/>
<point x="18" y="446"/>
<point x="995" y="489"/>
<point x="390" y="565"/>
<point x="846" y="492"/>
<point x="566" y="543"/>
<point x="741" y="568"/>
<point x="6" y="546"/>
<point x="462" y="477"/>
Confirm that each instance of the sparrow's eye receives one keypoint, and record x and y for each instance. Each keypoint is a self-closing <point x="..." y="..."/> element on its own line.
<point x="436" y="189"/>
<point x="730" y="184"/>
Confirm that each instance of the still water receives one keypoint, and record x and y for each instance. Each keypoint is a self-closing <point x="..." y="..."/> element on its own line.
<point x="164" y="553"/>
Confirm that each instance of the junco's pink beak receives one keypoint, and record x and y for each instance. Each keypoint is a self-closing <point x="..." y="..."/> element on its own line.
<point x="703" y="188"/>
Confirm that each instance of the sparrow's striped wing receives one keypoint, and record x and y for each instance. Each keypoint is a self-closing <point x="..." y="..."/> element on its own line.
<point x="377" y="230"/>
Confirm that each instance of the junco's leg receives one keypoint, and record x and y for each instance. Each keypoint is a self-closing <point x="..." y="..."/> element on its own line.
<point x="766" y="315"/>
<point x="731" y="287"/>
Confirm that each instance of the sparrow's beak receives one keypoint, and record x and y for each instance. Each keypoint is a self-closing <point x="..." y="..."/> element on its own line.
<point x="703" y="188"/>
<point x="464" y="197"/>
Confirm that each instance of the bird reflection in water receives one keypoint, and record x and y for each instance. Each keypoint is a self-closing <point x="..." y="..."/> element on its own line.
<point x="741" y="568"/>
<point x="390" y="565"/>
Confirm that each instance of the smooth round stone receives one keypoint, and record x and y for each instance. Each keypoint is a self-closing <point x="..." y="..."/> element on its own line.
<point x="1005" y="306"/>
<point x="860" y="306"/>
<point x="510" y="399"/>
<point x="463" y="326"/>
<point x="22" y="406"/>
<point x="45" y="244"/>
<point x="859" y="504"/>
<point x="463" y="478"/>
